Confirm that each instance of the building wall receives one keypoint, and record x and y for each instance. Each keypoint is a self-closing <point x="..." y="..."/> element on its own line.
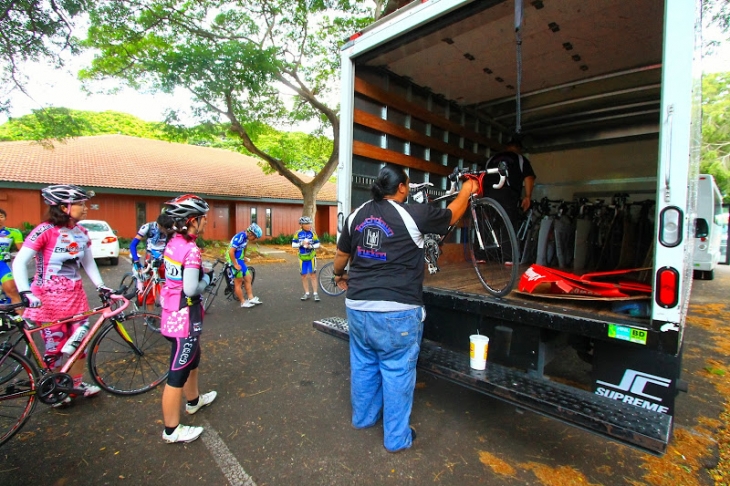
<point x="22" y="206"/>
<point x="126" y="213"/>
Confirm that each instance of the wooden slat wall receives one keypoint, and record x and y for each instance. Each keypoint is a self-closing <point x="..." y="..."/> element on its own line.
<point x="376" y="123"/>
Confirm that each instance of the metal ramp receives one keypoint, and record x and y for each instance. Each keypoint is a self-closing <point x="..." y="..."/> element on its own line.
<point x="634" y="426"/>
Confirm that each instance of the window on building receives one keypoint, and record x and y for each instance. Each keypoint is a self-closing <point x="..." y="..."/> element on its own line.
<point x="254" y="219"/>
<point x="141" y="210"/>
<point x="268" y="221"/>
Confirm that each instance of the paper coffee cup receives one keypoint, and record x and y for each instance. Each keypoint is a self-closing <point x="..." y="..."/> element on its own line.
<point x="478" y="346"/>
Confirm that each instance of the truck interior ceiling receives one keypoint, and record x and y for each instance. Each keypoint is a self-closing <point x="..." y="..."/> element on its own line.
<point x="575" y="92"/>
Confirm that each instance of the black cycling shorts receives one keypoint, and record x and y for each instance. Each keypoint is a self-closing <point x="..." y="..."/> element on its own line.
<point x="185" y="357"/>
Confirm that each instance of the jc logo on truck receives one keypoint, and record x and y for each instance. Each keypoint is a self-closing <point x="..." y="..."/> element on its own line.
<point x="634" y="383"/>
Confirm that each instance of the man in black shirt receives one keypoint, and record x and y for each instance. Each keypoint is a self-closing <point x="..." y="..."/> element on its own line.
<point x="383" y="242"/>
<point x="519" y="173"/>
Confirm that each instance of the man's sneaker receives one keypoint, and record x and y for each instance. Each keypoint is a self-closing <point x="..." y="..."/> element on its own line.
<point x="255" y="300"/>
<point x="89" y="390"/>
<point x="305" y="297"/>
<point x="316" y="297"/>
<point x="203" y="401"/>
<point x="183" y="433"/>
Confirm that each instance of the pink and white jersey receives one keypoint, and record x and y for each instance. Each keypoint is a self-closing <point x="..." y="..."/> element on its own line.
<point x="59" y="251"/>
<point x="180" y="253"/>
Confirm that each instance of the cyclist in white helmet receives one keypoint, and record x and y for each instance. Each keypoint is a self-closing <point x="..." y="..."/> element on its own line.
<point x="60" y="247"/>
<point x="236" y="255"/>
<point x="307" y="242"/>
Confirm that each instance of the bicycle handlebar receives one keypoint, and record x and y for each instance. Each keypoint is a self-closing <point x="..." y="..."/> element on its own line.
<point x="459" y="174"/>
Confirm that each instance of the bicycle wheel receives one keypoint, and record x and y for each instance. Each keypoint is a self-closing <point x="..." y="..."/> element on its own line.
<point x="129" y="355"/>
<point x="150" y="300"/>
<point x="22" y="348"/>
<point x="211" y="292"/>
<point x="493" y="247"/>
<point x="326" y="277"/>
<point x="128" y="286"/>
<point x="17" y="394"/>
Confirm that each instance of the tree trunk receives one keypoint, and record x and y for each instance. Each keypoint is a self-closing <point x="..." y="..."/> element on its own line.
<point x="310" y="202"/>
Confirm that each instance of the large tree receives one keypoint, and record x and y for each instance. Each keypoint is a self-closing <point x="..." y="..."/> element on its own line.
<point x="715" y="154"/>
<point x="272" y="62"/>
<point x="33" y="30"/>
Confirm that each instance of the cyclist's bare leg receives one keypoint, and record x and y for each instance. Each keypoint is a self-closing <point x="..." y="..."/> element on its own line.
<point x="247" y="286"/>
<point x="305" y="283"/>
<point x="12" y="292"/>
<point x="237" y="282"/>
<point x="172" y="398"/>
<point x="313" y="280"/>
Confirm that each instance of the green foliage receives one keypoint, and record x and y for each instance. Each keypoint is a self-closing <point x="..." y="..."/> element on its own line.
<point x="280" y="240"/>
<point x="715" y="153"/>
<point x="301" y="152"/>
<point x="328" y="238"/>
<point x="26" y="229"/>
<point x="124" y="242"/>
<point x="50" y="124"/>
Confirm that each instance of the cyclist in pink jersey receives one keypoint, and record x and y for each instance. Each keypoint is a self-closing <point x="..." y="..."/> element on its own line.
<point x="182" y="316"/>
<point x="60" y="248"/>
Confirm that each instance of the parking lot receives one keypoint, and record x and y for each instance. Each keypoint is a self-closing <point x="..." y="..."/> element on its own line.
<point x="282" y="416"/>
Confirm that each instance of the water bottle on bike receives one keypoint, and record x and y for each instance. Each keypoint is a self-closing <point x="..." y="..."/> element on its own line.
<point x="75" y="339"/>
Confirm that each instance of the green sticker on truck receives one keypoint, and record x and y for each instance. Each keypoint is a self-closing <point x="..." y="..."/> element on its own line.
<point x="625" y="333"/>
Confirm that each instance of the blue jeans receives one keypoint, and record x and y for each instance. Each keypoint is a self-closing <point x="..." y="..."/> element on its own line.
<point x="384" y="350"/>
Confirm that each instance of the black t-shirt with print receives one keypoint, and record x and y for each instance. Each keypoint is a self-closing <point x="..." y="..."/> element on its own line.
<point x="385" y="242"/>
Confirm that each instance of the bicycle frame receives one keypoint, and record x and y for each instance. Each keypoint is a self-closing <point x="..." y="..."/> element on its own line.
<point x="433" y="241"/>
<point x="151" y="282"/>
<point x="28" y="329"/>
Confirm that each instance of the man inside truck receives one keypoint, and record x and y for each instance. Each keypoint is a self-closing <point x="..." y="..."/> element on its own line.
<point x="519" y="173"/>
<point x="383" y="242"/>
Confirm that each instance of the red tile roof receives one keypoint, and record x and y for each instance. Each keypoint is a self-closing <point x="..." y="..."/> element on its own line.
<point x="123" y="162"/>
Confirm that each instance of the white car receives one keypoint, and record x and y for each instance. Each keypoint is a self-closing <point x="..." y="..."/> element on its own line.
<point x="104" y="243"/>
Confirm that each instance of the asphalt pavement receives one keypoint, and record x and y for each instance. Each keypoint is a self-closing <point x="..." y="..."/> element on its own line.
<point x="282" y="416"/>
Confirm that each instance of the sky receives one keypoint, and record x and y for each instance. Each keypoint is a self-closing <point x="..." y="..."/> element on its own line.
<point x="49" y="87"/>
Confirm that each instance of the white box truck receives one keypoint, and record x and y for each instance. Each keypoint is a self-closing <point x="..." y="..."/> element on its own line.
<point x="609" y="106"/>
<point x="710" y="225"/>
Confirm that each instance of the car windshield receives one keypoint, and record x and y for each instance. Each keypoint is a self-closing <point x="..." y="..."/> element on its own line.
<point x="95" y="226"/>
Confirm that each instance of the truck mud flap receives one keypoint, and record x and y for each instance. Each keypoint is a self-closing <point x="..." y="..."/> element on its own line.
<point x="634" y="426"/>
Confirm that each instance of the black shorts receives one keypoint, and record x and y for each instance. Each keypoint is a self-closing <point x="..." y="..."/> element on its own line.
<point x="185" y="357"/>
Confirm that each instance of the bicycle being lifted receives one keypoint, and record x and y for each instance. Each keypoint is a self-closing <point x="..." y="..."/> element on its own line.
<point x="490" y="236"/>
<point x="126" y="356"/>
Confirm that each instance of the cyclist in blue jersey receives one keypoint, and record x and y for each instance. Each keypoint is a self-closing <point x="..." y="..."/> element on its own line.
<point x="307" y="242"/>
<point x="156" y="236"/>
<point x="236" y="255"/>
<point x="10" y="240"/>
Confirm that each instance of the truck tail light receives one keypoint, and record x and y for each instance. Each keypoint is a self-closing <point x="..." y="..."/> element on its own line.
<point x="670" y="226"/>
<point x="667" y="287"/>
<point x="109" y="239"/>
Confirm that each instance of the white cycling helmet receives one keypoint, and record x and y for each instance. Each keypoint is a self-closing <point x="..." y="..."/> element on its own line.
<point x="305" y="220"/>
<point x="186" y="206"/>
<point x="255" y="229"/>
<point x="65" y="194"/>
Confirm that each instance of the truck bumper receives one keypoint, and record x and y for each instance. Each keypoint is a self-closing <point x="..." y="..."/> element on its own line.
<point x="637" y="427"/>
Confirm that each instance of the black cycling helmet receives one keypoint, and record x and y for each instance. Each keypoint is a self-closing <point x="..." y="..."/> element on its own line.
<point x="186" y="206"/>
<point x="65" y="194"/>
